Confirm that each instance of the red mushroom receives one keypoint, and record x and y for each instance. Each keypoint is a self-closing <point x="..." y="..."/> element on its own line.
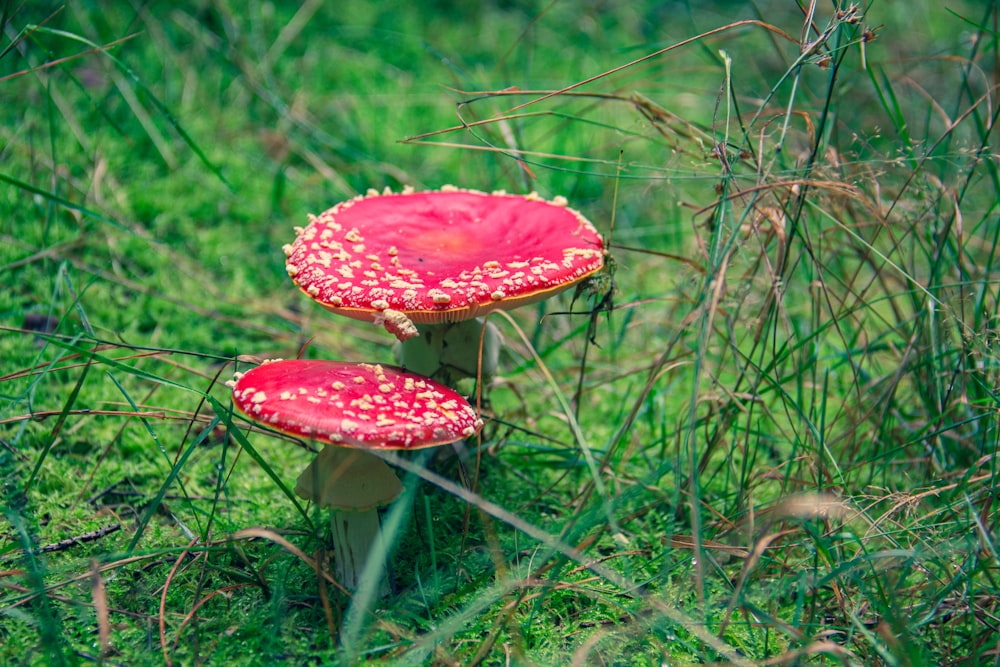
<point x="352" y="408"/>
<point x="440" y="257"/>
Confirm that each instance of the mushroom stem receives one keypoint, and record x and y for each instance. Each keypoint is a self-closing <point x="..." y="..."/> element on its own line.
<point x="449" y="352"/>
<point x="354" y="537"/>
<point x="354" y="484"/>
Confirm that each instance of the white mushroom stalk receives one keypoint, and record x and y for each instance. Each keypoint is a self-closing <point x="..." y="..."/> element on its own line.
<point x="450" y="352"/>
<point x="353" y="484"/>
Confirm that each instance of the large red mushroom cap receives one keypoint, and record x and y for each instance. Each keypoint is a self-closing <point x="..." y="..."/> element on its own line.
<point x="440" y="256"/>
<point x="354" y="405"/>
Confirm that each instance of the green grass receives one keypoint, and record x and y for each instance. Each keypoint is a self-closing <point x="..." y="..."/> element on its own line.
<point x="779" y="446"/>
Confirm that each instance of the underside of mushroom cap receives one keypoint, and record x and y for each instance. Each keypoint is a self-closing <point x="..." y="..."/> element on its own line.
<point x="348" y="479"/>
<point x="441" y="256"/>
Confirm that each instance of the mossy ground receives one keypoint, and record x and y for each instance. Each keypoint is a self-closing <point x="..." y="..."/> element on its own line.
<point x="767" y="436"/>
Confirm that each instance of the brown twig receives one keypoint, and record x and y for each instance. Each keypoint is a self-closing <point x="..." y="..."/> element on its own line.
<point x="63" y="545"/>
<point x="93" y="535"/>
<point x="100" y="598"/>
<point x="163" y="602"/>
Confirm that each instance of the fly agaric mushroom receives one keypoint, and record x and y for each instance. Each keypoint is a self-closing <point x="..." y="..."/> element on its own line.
<point x="438" y="258"/>
<point x="351" y="408"/>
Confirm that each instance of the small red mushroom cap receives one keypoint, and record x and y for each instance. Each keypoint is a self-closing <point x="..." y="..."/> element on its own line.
<point x="355" y="405"/>
<point x="441" y="256"/>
